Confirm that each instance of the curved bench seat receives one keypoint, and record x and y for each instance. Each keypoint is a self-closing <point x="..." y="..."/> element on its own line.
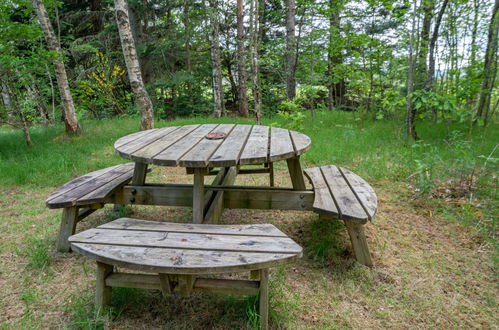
<point x="342" y="194"/>
<point x="178" y="253"/>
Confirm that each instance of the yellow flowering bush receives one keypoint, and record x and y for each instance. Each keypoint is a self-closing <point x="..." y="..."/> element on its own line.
<point x="103" y="91"/>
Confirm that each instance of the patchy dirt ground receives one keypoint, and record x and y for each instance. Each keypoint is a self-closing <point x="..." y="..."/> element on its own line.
<point x="429" y="273"/>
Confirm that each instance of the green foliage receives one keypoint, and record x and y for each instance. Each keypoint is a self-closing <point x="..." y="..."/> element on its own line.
<point x="104" y="91"/>
<point x="292" y="115"/>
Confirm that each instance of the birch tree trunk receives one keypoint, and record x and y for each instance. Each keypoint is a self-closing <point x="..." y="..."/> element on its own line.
<point x="433" y="42"/>
<point x="243" y="98"/>
<point x="489" y="68"/>
<point x="69" y="114"/>
<point x="410" y="111"/>
<point x="133" y="67"/>
<point x="290" y="50"/>
<point x="254" y="58"/>
<point x="218" y="94"/>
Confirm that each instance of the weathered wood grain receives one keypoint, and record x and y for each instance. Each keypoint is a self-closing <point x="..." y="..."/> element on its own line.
<point x="131" y="137"/>
<point x="102" y="291"/>
<point x="301" y="142"/>
<point x="296" y="173"/>
<point x="212" y="241"/>
<point x="230" y="150"/>
<point x="69" y="197"/>
<point x="364" y="192"/>
<point x="281" y="146"/>
<point x="214" y="285"/>
<point x="171" y="155"/>
<point x="200" y="154"/>
<point x="346" y="201"/>
<point x="147" y="153"/>
<point x="67" y="228"/>
<point x="323" y="201"/>
<point x="181" y="261"/>
<point x="359" y="243"/>
<point x="76" y="182"/>
<point x="256" y="149"/>
<point x="215" y="208"/>
<point x="144" y="225"/>
<point x="128" y="149"/>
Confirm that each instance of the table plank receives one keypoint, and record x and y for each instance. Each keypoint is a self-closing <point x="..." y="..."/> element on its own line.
<point x="144" y="225"/>
<point x="147" y="153"/>
<point x="199" y="155"/>
<point x="229" y="152"/>
<point x="346" y="200"/>
<point x="171" y="155"/>
<point x="130" y="137"/>
<point x="190" y="241"/>
<point x="142" y="141"/>
<point x="257" y="146"/>
<point x="301" y="142"/>
<point x="281" y="146"/>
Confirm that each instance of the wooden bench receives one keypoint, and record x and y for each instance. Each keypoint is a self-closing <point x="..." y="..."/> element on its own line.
<point x="83" y="195"/>
<point x="341" y="194"/>
<point x="179" y="253"/>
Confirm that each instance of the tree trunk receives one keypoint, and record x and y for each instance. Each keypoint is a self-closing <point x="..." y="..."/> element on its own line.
<point x="489" y="68"/>
<point x="69" y="114"/>
<point x="243" y="99"/>
<point x="218" y="94"/>
<point x="410" y="111"/>
<point x="133" y="67"/>
<point x="290" y="50"/>
<point x="254" y="57"/>
<point x="187" y="47"/>
<point x="335" y="85"/>
<point x="433" y="43"/>
<point x="10" y="102"/>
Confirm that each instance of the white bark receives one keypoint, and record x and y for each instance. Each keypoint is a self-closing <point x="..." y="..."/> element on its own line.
<point x="133" y="67"/>
<point x="70" y="119"/>
<point x="218" y="94"/>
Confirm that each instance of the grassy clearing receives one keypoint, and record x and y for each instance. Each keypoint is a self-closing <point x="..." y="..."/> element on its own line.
<point x="433" y="249"/>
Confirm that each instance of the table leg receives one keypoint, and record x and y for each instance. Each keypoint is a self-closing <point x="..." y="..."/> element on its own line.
<point x="264" y="298"/>
<point x="102" y="291"/>
<point x="139" y="174"/>
<point x="198" y="196"/>
<point x="296" y="173"/>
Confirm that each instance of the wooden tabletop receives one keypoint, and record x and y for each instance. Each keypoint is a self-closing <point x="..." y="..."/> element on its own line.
<point x="176" y="248"/>
<point x="188" y="146"/>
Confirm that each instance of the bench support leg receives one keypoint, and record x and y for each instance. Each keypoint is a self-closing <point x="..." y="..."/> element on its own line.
<point x="359" y="243"/>
<point x="68" y="226"/>
<point x="102" y="291"/>
<point x="296" y="173"/>
<point x="198" y="196"/>
<point x="264" y="298"/>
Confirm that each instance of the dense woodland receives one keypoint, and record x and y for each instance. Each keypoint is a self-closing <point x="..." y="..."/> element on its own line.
<point x="415" y="60"/>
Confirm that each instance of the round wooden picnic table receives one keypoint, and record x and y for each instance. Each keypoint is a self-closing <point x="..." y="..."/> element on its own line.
<point x="200" y="147"/>
<point x="190" y="145"/>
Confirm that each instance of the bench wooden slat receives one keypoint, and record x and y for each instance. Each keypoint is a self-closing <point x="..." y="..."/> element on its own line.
<point x="99" y="194"/>
<point x="346" y="201"/>
<point x="323" y="201"/>
<point x="144" y="225"/>
<point x="257" y="146"/>
<point x="364" y="192"/>
<point x="76" y="182"/>
<point x="339" y="193"/>
<point x="181" y="261"/>
<point x="171" y="155"/>
<point x="190" y="241"/>
<point x="148" y="152"/>
<point x="70" y="197"/>
<point x="229" y="152"/>
<point x="281" y="146"/>
<point x="202" y="151"/>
